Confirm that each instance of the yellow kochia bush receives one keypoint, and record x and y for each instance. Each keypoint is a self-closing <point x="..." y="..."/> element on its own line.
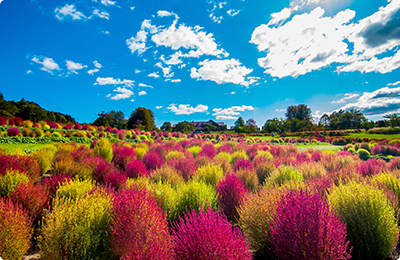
<point x="369" y="218"/>
<point x="77" y="229"/>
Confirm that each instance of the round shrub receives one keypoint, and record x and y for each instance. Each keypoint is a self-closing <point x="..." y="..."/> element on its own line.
<point x="194" y="195"/>
<point x="388" y="181"/>
<point x="101" y="170"/>
<point x="13" y="132"/>
<point x="174" y="155"/>
<point x="104" y="149"/>
<point x="284" y="174"/>
<point x="264" y="154"/>
<point x="194" y="150"/>
<point x="122" y="156"/>
<point x="238" y="155"/>
<point x="363" y="153"/>
<point x="140" y="151"/>
<point x="115" y="180"/>
<point x="77" y="229"/>
<point x="394" y="164"/>
<point x="263" y="168"/>
<point x="312" y="170"/>
<point x="210" y="174"/>
<point x="135" y="169"/>
<point x="186" y="167"/>
<point x="44" y="158"/>
<point x="16" y="231"/>
<point x="376" y="150"/>
<point x="74" y="189"/>
<point x="56" y="135"/>
<point x="152" y="160"/>
<point x="317" y="232"/>
<point x="209" y="235"/>
<point x="10" y="181"/>
<point x="231" y="193"/>
<point x="167" y="174"/>
<point x="249" y="179"/>
<point x="39" y="132"/>
<point x="369" y="218"/>
<point x="242" y="164"/>
<point x="371" y="167"/>
<point x="139" y="229"/>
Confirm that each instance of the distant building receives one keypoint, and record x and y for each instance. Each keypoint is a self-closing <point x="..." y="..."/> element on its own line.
<point x="199" y="126"/>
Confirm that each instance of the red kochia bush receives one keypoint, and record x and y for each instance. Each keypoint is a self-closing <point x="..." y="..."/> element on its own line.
<point x="231" y="193"/>
<point x="136" y="168"/>
<point x="371" y="167"/>
<point x="13" y="132"/>
<point x="207" y="150"/>
<point x="122" y="156"/>
<point x="152" y="160"/>
<point x="52" y="183"/>
<point x="115" y="180"/>
<point x="394" y="164"/>
<point x="209" y="235"/>
<point x="243" y="164"/>
<point x="376" y="150"/>
<point x="3" y="120"/>
<point x="100" y="173"/>
<point x="305" y="227"/>
<point x="26" y="164"/>
<point x="139" y="228"/>
<point x="186" y="167"/>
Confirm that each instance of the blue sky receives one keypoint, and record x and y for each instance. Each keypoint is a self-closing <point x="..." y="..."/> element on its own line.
<point x="203" y="59"/>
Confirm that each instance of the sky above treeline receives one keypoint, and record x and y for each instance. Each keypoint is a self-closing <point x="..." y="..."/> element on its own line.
<point x="203" y="59"/>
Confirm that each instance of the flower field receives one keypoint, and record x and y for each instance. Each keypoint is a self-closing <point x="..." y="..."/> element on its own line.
<point x="149" y="195"/>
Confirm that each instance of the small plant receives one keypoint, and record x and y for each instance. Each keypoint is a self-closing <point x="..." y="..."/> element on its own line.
<point x="263" y="168"/>
<point x="10" y="181"/>
<point x="152" y="160"/>
<point x="13" y="132"/>
<point x="284" y="174"/>
<point x="16" y="231"/>
<point x="209" y="174"/>
<point x="186" y="167"/>
<point x="135" y="169"/>
<point x="371" y="167"/>
<point x="122" y="156"/>
<point x="209" y="235"/>
<point x="231" y="194"/>
<point x="115" y="180"/>
<point x="74" y="189"/>
<point x="238" y="155"/>
<point x="363" y="153"/>
<point x="104" y="149"/>
<point x="317" y="232"/>
<point x="139" y="229"/>
<point x="167" y="174"/>
<point x="359" y="204"/>
<point x="195" y="150"/>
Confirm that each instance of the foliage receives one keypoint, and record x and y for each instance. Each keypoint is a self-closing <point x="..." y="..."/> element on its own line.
<point x="13" y="132"/>
<point x="239" y="122"/>
<point x="76" y="229"/>
<point x="195" y="150"/>
<point x="10" y="181"/>
<point x="15" y="232"/>
<point x="139" y="229"/>
<point x="238" y="155"/>
<point x="74" y="189"/>
<point x="317" y="232"/>
<point x="135" y="169"/>
<point x="104" y="149"/>
<point x="284" y="174"/>
<point x="209" y="174"/>
<point x="363" y="153"/>
<point x="166" y="126"/>
<point x="184" y="127"/>
<point x="152" y="160"/>
<point x="359" y="204"/>
<point x="208" y="235"/>
<point x="231" y="194"/>
<point x="112" y="119"/>
<point x="122" y="156"/>
<point x="142" y="118"/>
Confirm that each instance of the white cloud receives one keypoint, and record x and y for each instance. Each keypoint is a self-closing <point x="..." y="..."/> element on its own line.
<point x="73" y="66"/>
<point x="103" y="14"/>
<point x="132" y="100"/>
<point x="109" y="95"/>
<point x="347" y="96"/>
<point x="166" y="70"/>
<point x="162" y="13"/>
<point x="280" y="110"/>
<point x="173" y="80"/>
<point x="29" y="71"/>
<point x="223" y="71"/>
<point x="187" y="109"/>
<point x="138" y="43"/>
<point x="141" y="93"/>
<point x="112" y="81"/>
<point x="233" y="12"/>
<point x="379" y="102"/>
<point x="108" y="2"/>
<point x="48" y="64"/>
<point x="153" y="75"/>
<point x="144" y="85"/>
<point x="93" y="71"/>
<point x="159" y="107"/>
<point x="233" y="93"/>
<point x="311" y="41"/>
<point x="1" y="1"/>
<point x="137" y="71"/>
<point x="231" y="112"/>
<point x="97" y="64"/>
<point x="124" y="93"/>
<point x="394" y="84"/>
<point x="132" y="8"/>
<point x="69" y="10"/>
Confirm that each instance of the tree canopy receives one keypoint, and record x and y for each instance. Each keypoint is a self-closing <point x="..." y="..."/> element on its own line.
<point x="184" y="127"/>
<point x="166" y="126"/>
<point x="112" y="118"/>
<point x="141" y="118"/>
<point x="342" y="119"/>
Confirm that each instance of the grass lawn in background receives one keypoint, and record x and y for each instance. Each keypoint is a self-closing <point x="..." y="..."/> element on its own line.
<point x="373" y="136"/>
<point x="10" y="148"/>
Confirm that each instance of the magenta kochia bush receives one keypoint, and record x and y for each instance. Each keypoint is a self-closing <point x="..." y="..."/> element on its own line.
<point x="152" y="160"/>
<point x="122" y="156"/>
<point x="15" y="232"/>
<point x="207" y="150"/>
<point x="371" y="167"/>
<point x="209" y="235"/>
<point x="305" y="227"/>
<point x="13" y="132"/>
<point x="139" y="228"/>
<point x="186" y="167"/>
<point x="25" y="164"/>
<point x="231" y="193"/>
<point x="116" y="180"/>
<point x="103" y="168"/>
<point x="135" y="169"/>
<point x="243" y="164"/>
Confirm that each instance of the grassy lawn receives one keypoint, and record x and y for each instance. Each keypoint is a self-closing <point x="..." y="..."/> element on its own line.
<point x="374" y="136"/>
<point x="323" y="147"/>
<point x="11" y="147"/>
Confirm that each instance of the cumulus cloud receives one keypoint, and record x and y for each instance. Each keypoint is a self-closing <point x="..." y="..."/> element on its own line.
<point x="394" y="84"/>
<point x="231" y="112"/>
<point x="173" y="80"/>
<point x="187" y="109"/>
<point x="124" y="93"/>
<point x="138" y="43"/>
<point x="223" y="71"/>
<point x="233" y="12"/>
<point x="141" y="93"/>
<point x="112" y="81"/>
<point x="93" y="71"/>
<point x="280" y="110"/>
<point x="137" y="71"/>
<point x="311" y="41"/>
<point x="97" y="67"/>
<point x="166" y="70"/>
<point x="162" y="13"/>
<point x="102" y="14"/>
<point x="28" y="71"/>
<point x="73" y="66"/>
<point x="159" y="107"/>
<point x="379" y="102"/>
<point x="69" y="11"/>
<point x="97" y="64"/>
<point x="347" y="96"/>
<point x="48" y="64"/>
<point x="153" y="75"/>
<point x="108" y="2"/>
<point x="144" y="85"/>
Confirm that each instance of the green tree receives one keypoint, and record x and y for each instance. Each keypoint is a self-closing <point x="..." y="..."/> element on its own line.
<point x="112" y="118"/>
<point x="184" y="127"/>
<point x="239" y="122"/>
<point x="299" y="118"/>
<point x="166" y="127"/>
<point x="141" y="118"/>
<point x="394" y="119"/>
<point x="252" y="125"/>
<point x="210" y="128"/>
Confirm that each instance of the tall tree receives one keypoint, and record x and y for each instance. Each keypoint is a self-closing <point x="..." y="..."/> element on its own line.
<point x="299" y="117"/>
<point x="394" y="119"/>
<point x="251" y="124"/>
<point x="239" y="122"/>
<point x="166" y="126"/>
<point x="141" y="118"/>
<point x="184" y="127"/>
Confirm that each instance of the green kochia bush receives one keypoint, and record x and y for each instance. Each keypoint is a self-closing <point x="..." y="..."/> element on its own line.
<point x="104" y="149"/>
<point x="284" y="174"/>
<point x="10" y="181"/>
<point x="77" y="229"/>
<point x="369" y="218"/>
<point x="209" y="174"/>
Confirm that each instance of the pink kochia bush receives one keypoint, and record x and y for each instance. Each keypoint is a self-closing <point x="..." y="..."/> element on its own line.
<point x="13" y="132"/>
<point x="25" y="164"/>
<point x="305" y="227"/>
<point x="135" y="169"/>
<point x="371" y="167"/>
<point x="122" y="156"/>
<point x="209" y="235"/>
<point x="139" y="228"/>
<point x="186" y="167"/>
<point x="152" y="160"/>
<point x="231" y="193"/>
<point x="243" y="164"/>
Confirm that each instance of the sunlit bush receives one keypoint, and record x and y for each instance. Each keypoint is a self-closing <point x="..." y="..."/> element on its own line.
<point x="74" y="189"/>
<point x="231" y="194"/>
<point x="10" y="181"/>
<point x="195" y="150"/>
<point x="104" y="149"/>
<point x="210" y="174"/>
<point x="284" y="174"/>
